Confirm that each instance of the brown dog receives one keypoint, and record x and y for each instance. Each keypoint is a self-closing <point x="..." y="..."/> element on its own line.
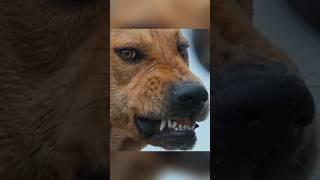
<point x="53" y="84"/>
<point x="155" y="99"/>
<point x="263" y="110"/>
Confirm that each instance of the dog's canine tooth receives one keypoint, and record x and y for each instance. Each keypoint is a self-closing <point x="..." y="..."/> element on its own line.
<point x="180" y="126"/>
<point x="177" y="129"/>
<point x="174" y="124"/>
<point x="163" y="124"/>
<point x="169" y="123"/>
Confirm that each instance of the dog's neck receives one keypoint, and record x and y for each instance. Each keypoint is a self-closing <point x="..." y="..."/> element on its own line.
<point x="120" y="141"/>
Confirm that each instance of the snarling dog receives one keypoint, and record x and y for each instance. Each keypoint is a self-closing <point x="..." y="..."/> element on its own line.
<point x="154" y="97"/>
<point x="53" y="90"/>
<point x="264" y="112"/>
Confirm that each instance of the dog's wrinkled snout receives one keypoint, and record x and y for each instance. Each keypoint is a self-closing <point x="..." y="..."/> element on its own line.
<point x="187" y="98"/>
<point x="262" y="95"/>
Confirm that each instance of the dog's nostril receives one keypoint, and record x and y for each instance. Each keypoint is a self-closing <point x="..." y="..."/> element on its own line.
<point x="185" y="98"/>
<point x="192" y="94"/>
<point x="205" y="96"/>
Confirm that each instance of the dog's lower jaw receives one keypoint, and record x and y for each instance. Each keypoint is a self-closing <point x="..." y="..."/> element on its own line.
<point x="120" y="140"/>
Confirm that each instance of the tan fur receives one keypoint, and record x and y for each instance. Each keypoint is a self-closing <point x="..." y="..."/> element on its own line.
<point x="160" y="14"/>
<point x="140" y="89"/>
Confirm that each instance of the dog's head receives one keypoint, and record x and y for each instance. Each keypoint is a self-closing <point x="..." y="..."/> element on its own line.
<point x="155" y="98"/>
<point x="263" y="108"/>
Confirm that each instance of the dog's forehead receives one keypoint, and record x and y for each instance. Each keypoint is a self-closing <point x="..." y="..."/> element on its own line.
<point x="145" y="36"/>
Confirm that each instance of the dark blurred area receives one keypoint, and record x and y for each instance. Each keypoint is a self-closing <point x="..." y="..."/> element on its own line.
<point x="151" y="166"/>
<point x="160" y="14"/>
<point x="294" y="26"/>
<point x="309" y="10"/>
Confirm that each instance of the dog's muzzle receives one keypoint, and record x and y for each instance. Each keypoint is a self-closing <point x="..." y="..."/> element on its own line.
<point x="187" y="104"/>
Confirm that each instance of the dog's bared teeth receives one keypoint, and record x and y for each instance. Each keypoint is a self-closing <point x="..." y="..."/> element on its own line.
<point x="174" y="124"/>
<point x="169" y="123"/>
<point x="163" y="124"/>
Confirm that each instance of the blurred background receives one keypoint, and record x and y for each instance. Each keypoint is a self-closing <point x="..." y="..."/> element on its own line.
<point x="160" y="166"/>
<point x="160" y="14"/>
<point x="294" y="26"/>
<point x="199" y="41"/>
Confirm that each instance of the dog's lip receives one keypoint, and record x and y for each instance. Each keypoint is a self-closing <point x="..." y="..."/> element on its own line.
<point x="149" y="127"/>
<point x="167" y="133"/>
<point x="172" y="140"/>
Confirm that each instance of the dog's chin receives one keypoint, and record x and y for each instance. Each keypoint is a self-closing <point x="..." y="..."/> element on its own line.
<point x="177" y="134"/>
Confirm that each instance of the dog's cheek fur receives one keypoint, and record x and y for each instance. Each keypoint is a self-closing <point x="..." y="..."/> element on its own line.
<point x="120" y="77"/>
<point x="150" y="90"/>
<point x="122" y="130"/>
<point x="149" y="96"/>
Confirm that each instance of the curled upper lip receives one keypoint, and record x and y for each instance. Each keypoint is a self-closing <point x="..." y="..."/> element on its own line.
<point x="150" y="127"/>
<point x="178" y="125"/>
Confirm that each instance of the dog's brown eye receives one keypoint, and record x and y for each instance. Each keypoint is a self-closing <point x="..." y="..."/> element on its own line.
<point x="129" y="54"/>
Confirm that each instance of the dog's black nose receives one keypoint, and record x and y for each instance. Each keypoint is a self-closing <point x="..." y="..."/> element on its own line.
<point x="247" y="94"/>
<point x="187" y="97"/>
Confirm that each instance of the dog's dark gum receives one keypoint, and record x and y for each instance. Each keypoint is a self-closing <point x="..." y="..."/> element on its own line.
<point x="168" y="138"/>
<point x="148" y="127"/>
<point x="171" y="140"/>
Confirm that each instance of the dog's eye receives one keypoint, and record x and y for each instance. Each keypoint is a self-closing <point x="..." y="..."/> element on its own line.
<point x="183" y="50"/>
<point x="129" y="54"/>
